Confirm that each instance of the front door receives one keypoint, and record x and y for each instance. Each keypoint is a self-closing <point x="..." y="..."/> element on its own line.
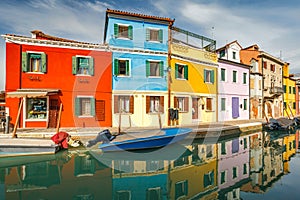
<point x="53" y="113"/>
<point x="235" y="107"/>
<point x="195" y="108"/>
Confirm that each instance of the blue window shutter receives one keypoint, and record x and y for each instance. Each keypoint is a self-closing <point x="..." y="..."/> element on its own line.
<point x="130" y="33"/>
<point x="24" y="62"/>
<point x="74" y="65"/>
<point x="176" y="70"/>
<point x="186" y="72"/>
<point x="91" y="66"/>
<point x="116" y="67"/>
<point x="160" y="35"/>
<point x="147" y="68"/>
<point x="93" y="106"/>
<point x="77" y="106"/>
<point x="205" y="76"/>
<point x="212" y="76"/>
<point x="161" y="68"/>
<point x="147" y="34"/>
<point x="116" y="30"/>
<point x="44" y="62"/>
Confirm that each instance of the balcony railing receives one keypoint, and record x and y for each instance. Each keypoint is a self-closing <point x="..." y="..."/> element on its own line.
<point x="276" y="90"/>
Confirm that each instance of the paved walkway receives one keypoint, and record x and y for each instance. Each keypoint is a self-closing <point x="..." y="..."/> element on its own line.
<point x="92" y="132"/>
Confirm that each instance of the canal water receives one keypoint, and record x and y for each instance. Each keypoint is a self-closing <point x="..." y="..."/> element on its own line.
<point x="254" y="165"/>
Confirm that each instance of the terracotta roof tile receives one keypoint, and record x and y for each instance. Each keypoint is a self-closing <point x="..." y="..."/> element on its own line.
<point x="124" y="13"/>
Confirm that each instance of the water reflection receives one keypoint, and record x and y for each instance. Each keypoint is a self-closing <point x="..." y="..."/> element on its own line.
<point x="251" y="163"/>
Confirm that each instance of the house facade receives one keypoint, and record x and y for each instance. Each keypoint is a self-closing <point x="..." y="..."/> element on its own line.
<point x="289" y="92"/>
<point x="193" y="85"/>
<point x="271" y="69"/>
<point x="139" y="45"/>
<point x="233" y="84"/>
<point x="46" y="74"/>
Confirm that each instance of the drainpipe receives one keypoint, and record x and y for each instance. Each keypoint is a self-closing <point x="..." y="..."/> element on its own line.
<point x="169" y="71"/>
<point x="262" y="87"/>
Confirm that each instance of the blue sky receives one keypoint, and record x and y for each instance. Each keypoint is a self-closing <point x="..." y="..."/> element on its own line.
<point x="271" y="24"/>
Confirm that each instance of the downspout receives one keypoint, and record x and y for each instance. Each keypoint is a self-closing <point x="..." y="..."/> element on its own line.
<point x="169" y="71"/>
<point x="262" y="87"/>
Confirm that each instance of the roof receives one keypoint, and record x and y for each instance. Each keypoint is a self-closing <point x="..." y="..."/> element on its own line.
<point x="227" y="45"/>
<point x="32" y="93"/>
<point x="42" y="36"/>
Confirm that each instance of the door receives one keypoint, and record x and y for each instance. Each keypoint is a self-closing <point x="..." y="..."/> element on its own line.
<point x="195" y="108"/>
<point x="235" y="107"/>
<point x="53" y="113"/>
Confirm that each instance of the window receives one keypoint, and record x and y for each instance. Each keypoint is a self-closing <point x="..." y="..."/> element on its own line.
<point x="181" y="189"/>
<point x="36" y="108"/>
<point x="245" y="107"/>
<point x="123" y="31"/>
<point x="294" y="105"/>
<point x="234" y="55"/>
<point x="83" y="65"/>
<point x="244" y="78"/>
<point x="34" y="62"/>
<point x="284" y="105"/>
<point x="294" y="90"/>
<point x="234" y="172"/>
<point x="245" y="143"/>
<point x="100" y="110"/>
<point x="208" y="76"/>
<point x="223" y="177"/>
<point x="273" y="67"/>
<point x="245" y="170"/>
<point x="85" y="106"/>
<point x="290" y="89"/>
<point x="265" y="64"/>
<point x="234" y="76"/>
<point x="154" y="193"/>
<point x="155" y="35"/>
<point x="209" y="106"/>
<point x="182" y="103"/>
<point x="154" y="104"/>
<point x="222" y="53"/>
<point x="123" y="104"/>
<point x="181" y="71"/>
<point x="284" y="88"/>
<point x="121" y="67"/>
<point x="123" y="195"/>
<point x="223" y="148"/>
<point x="208" y="179"/>
<point x="223" y="74"/>
<point x="154" y="68"/>
<point x="209" y="152"/>
<point x="223" y="104"/>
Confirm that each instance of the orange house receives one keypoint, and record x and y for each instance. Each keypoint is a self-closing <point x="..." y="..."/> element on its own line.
<point x="48" y="77"/>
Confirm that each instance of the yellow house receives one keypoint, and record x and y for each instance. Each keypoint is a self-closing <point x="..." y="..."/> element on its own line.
<point x="289" y="95"/>
<point x="193" y="87"/>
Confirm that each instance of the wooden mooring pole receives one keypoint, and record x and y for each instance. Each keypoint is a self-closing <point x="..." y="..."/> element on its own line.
<point x="59" y="117"/>
<point x="14" y="134"/>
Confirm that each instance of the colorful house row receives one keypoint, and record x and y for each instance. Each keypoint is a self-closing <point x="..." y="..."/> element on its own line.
<point x="147" y="73"/>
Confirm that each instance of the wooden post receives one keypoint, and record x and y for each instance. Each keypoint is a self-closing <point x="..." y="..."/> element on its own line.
<point x="291" y="110"/>
<point x="58" y="120"/>
<point x="287" y="112"/>
<point x="265" y="115"/>
<point x="14" y="135"/>
<point x="159" y="120"/>
<point x="120" y="119"/>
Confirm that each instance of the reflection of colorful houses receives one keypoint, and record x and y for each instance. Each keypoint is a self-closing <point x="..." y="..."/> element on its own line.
<point x="44" y="72"/>
<point x="233" y="166"/>
<point x="289" y="95"/>
<point x="140" y="59"/>
<point x="289" y="150"/>
<point x="82" y="178"/>
<point x="233" y="84"/>
<point x="271" y="69"/>
<point x="193" y="84"/>
<point x="195" y="176"/>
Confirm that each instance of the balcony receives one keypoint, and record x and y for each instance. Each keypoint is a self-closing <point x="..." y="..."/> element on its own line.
<point x="276" y="90"/>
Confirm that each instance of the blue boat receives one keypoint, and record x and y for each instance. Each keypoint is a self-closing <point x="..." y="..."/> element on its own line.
<point x="145" y="140"/>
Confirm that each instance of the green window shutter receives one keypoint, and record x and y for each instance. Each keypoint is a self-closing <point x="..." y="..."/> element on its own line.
<point x="116" y="30"/>
<point x="93" y="106"/>
<point x="186" y="72"/>
<point x="161" y="68"/>
<point x="77" y="107"/>
<point x="284" y="88"/>
<point x="222" y="74"/>
<point x="91" y="66"/>
<point x="116" y="67"/>
<point x="44" y="62"/>
<point x="127" y="67"/>
<point x="160" y="35"/>
<point x="24" y="62"/>
<point x="130" y="34"/>
<point x="176" y="70"/>
<point x="74" y="65"/>
<point x="205" y="76"/>
<point x="147" y="34"/>
<point x="147" y="68"/>
<point x="212" y="76"/>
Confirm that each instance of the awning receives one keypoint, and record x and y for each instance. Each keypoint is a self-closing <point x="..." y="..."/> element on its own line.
<point x="31" y="93"/>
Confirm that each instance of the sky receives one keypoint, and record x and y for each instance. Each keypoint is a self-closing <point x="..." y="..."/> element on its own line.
<point x="273" y="25"/>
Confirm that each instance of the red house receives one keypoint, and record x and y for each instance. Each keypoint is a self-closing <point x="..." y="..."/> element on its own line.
<point x="44" y="72"/>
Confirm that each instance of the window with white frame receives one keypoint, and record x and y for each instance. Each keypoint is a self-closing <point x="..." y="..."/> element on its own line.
<point x="154" y="35"/>
<point x="208" y="179"/>
<point x="123" y="31"/>
<point x="234" y="172"/>
<point x="208" y="76"/>
<point x="123" y="195"/>
<point x="36" y="108"/>
<point x="121" y="67"/>
<point x="181" y="189"/>
<point x="223" y="178"/>
<point x="84" y="106"/>
<point x="154" y="193"/>
<point x="154" y="68"/>
<point x="83" y="65"/>
<point x="34" y="62"/>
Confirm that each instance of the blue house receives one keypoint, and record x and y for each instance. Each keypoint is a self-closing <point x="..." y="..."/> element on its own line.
<point x="139" y="45"/>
